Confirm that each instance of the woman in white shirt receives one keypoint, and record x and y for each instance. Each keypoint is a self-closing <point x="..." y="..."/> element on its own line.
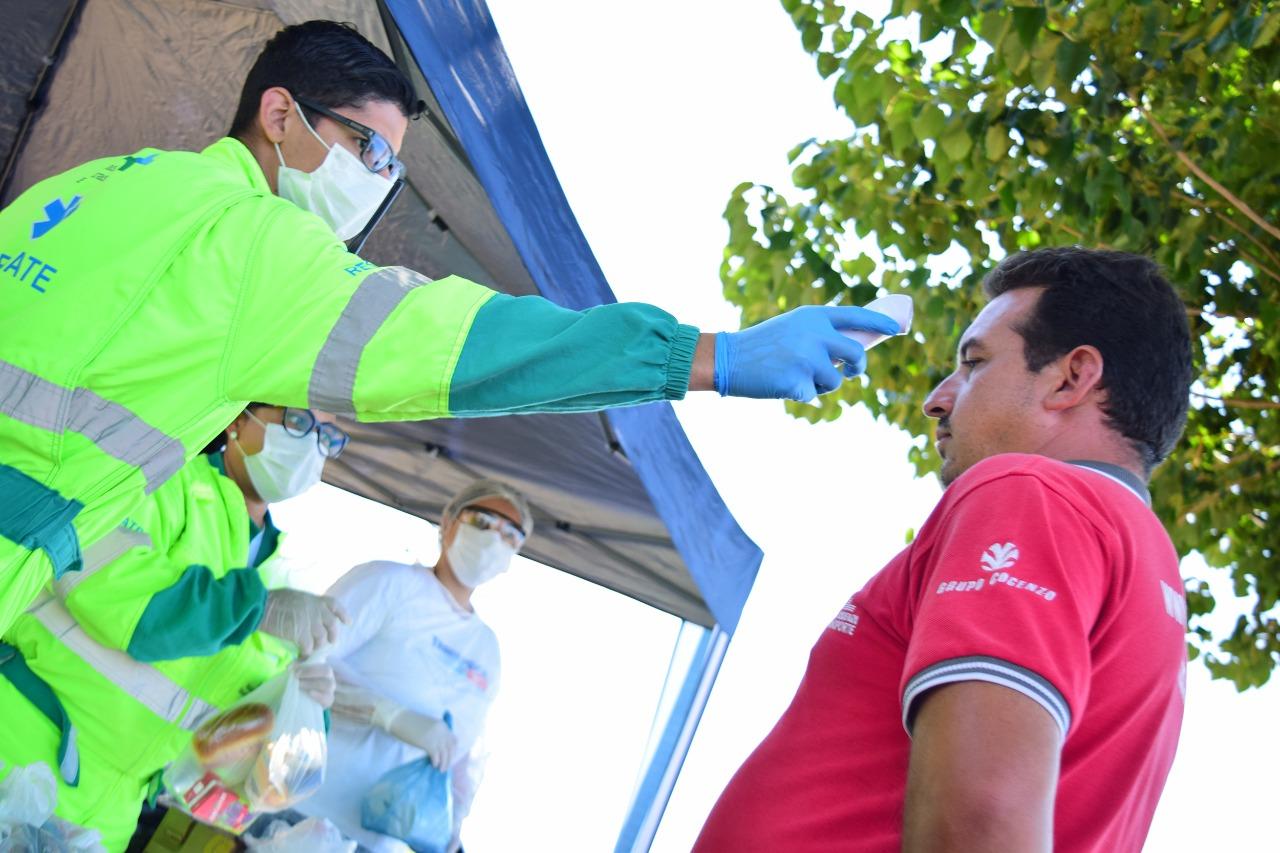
<point x="416" y="649"/>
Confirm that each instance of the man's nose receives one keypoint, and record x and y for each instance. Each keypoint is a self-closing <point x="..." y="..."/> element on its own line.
<point x="938" y="403"/>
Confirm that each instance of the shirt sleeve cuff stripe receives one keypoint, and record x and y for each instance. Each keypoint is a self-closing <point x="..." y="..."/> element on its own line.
<point x="993" y="671"/>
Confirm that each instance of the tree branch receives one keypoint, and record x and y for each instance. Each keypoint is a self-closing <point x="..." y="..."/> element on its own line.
<point x="1207" y="500"/>
<point x="1271" y="256"/>
<point x="1199" y="204"/>
<point x="1192" y="311"/>
<point x="1092" y="244"/>
<point x="1238" y="402"/>
<point x="1231" y="197"/>
<point x="1233" y="247"/>
<point x="1214" y="495"/>
<point x="1256" y="264"/>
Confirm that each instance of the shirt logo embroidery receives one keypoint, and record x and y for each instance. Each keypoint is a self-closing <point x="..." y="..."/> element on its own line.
<point x="846" y="620"/>
<point x="999" y="556"/>
<point x="998" y="559"/>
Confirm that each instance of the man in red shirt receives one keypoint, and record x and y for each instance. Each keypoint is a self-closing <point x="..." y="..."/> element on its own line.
<point x="1014" y="679"/>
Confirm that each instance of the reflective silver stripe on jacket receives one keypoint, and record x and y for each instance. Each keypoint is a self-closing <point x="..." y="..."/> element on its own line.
<point x="333" y="379"/>
<point x="115" y="430"/>
<point x="69" y="768"/>
<point x="151" y="687"/>
<point x="107" y="549"/>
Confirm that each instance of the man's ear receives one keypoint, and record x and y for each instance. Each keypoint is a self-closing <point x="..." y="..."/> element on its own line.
<point x="1077" y="379"/>
<point x="275" y="106"/>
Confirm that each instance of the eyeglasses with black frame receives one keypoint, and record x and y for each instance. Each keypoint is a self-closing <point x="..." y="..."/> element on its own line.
<point x="375" y="151"/>
<point x="330" y="440"/>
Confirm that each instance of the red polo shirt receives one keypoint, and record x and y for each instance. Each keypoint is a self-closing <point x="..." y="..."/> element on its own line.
<point x="1051" y="579"/>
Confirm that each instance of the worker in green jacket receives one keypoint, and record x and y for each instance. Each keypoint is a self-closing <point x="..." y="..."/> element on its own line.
<point x="108" y="674"/>
<point x="136" y="294"/>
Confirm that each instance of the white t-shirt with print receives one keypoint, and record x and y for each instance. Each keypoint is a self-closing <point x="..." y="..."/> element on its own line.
<point x="410" y="641"/>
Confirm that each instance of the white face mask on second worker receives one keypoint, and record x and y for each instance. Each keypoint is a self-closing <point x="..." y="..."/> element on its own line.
<point x="477" y="556"/>
<point x="341" y="191"/>
<point x="286" y="466"/>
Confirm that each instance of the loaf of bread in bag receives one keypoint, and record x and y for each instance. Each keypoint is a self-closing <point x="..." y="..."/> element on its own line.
<point x="233" y="736"/>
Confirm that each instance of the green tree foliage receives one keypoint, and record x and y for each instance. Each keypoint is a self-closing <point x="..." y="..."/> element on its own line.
<point x="982" y="128"/>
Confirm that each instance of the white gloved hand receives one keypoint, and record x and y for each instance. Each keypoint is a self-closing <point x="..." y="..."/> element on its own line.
<point x="317" y="681"/>
<point x="363" y="706"/>
<point x="427" y="733"/>
<point x="308" y="621"/>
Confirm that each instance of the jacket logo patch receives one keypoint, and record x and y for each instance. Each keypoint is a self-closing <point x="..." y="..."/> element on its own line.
<point x="54" y="212"/>
<point x="999" y="556"/>
<point x="137" y="161"/>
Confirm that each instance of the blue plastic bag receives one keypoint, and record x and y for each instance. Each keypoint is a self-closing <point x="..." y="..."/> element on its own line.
<point x="414" y="803"/>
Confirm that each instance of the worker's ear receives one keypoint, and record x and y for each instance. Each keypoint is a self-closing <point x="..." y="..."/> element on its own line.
<point x="274" y="109"/>
<point x="236" y="427"/>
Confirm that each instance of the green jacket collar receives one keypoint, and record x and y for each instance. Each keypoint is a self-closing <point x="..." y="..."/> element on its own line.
<point x="270" y="542"/>
<point x="271" y="534"/>
<point x="233" y="153"/>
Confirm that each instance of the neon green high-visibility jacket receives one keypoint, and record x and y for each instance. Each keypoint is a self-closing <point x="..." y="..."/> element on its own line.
<point x="145" y="300"/>
<point x="174" y="590"/>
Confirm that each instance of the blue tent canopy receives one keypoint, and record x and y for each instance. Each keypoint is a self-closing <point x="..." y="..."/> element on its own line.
<point x="457" y="48"/>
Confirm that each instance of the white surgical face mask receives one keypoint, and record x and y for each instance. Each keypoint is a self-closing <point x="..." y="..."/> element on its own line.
<point x="342" y="191"/>
<point x="286" y="466"/>
<point x="478" y="555"/>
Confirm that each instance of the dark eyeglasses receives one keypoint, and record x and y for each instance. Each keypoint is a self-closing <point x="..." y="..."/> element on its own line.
<point x="299" y="422"/>
<point x="375" y="151"/>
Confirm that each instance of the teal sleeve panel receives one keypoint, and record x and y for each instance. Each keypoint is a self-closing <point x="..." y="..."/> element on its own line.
<point x="527" y="354"/>
<point x="199" y="615"/>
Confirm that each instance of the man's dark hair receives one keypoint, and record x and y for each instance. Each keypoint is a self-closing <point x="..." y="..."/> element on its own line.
<point x="328" y="63"/>
<point x="1123" y="305"/>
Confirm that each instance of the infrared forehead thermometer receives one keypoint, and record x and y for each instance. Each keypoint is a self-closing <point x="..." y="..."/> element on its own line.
<point x="895" y="305"/>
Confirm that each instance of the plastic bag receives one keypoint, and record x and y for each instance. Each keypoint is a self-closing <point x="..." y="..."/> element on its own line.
<point x="74" y="838"/>
<point x="291" y="766"/>
<point x="28" y="796"/>
<point x="263" y="754"/>
<point x="414" y="803"/>
<point x="55" y="836"/>
<point x="28" y="838"/>
<point x="313" y="835"/>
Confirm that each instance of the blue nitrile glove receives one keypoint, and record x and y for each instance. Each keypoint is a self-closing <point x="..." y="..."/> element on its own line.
<point x="793" y="355"/>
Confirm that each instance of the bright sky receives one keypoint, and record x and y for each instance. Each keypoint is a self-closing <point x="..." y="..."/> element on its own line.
<point x="651" y="113"/>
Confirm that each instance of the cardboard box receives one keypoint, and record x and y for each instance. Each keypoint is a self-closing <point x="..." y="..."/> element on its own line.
<point x="178" y="833"/>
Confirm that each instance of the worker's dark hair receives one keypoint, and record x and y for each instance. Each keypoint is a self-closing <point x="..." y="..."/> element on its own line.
<point x="328" y="63"/>
<point x="1123" y="305"/>
<point x="219" y="442"/>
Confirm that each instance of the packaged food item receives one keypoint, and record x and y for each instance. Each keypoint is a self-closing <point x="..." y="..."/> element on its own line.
<point x="232" y="740"/>
<point x="264" y="754"/>
<point x="290" y="765"/>
<point x="203" y="794"/>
